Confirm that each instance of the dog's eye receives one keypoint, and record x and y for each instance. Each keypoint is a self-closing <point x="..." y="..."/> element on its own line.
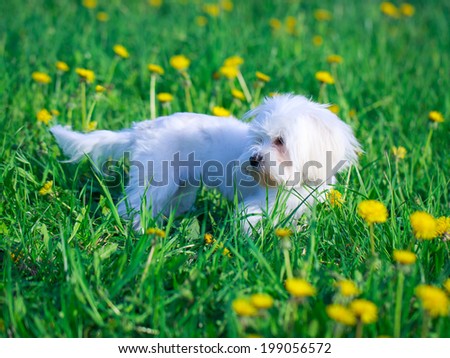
<point x="278" y="141"/>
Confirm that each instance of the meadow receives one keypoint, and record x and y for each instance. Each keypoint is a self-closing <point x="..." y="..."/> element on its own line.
<point x="71" y="267"/>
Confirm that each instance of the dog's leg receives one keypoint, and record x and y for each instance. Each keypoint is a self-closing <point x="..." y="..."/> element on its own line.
<point x="160" y="197"/>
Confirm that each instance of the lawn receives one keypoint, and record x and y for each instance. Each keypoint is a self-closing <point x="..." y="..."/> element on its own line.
<point x="71" y="267"/>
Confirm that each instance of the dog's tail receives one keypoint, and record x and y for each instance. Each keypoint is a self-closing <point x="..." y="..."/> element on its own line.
<point x="98" y="145"/>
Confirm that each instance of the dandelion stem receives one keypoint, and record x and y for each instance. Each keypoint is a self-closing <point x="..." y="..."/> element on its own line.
<point x="372" y="239"/>
<point x="312" y="247"/>
<point x="323" y="93"/>
<point x="244" y="87"/>
<point x="291" y="315"/>
<point x="426" y="151"/>
<point x="256" y="97"/>
<point x="398" y="304"/>
<point x="347" y="184"/>
<point x="148" y="262"/>
<point x="338" y="87"/>
<point x="166" y="109"/>
<point x="425" y="324"/>
<point x="359" y="329"/>
<point x="83" y="106"/>
<point x="338" y="330"/>
<point x="188" y="99"/>
<point x="152" y="96"/>
<point x="398" y="180"/>
<point x="287" y="262"/>
<point x="91" y="111"/>
<point x="187" y="84"/>
<point x="232" y="106"/>
<point x="58" y="85"/>
<point x="112" y="69"/>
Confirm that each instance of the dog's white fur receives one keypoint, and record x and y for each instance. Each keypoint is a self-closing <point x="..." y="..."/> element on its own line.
<point x="291" y="131"/>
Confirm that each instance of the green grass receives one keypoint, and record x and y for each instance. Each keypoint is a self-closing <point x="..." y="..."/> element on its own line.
<point x="71" y="268"/>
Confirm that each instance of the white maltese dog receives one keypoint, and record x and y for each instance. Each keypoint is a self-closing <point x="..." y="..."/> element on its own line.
<point x="277" y="165"/>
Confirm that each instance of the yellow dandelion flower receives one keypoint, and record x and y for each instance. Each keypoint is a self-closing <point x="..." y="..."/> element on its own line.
<point x="291" y="23"/>
<point x="424" y="225"/>
<point x="275" y="24"/>
<point x="399" y="152"/>
<point x="436" y="117"/>
<point x="55" y="112"/>
<point x="243" y="307"/>
<point x="226" y="252"/>
<point x="341" y="314"/>
<point x="201" y="21"/>
<point x="261" y="300"/>
<point x="372" y="211"/>
<point x="442" y="225"/>
<point x="16" y="257"/>
<point x="44" y="116"/>
<point x="208" y="239"/>
<point x="212" y="10"/>
<point x="86" y="75"/>
<point x="238" y="94"/>
<point x="90" y="4"/>
<point x="404" y="257"/>
<point x="102" y="16"/>
<point x="46" y="188"/>
<point x="164" y="97"/>
<point x="100" y="89"/>
<point x="155" y="69"/>
<point x="156" y="231"/>
<point x="227" y="5"/>
<point x="335" y="198"/>
<point x="62" y="66"/>
<point x="229" y="72"/>
<point x="41" y="77"/>
<point x="317" y="40"/>
<point x="334" y="108"/>
<point x="221" y="246"/>
<point x="92" y="126"/>
<point x="434" y="300"/>
<point x="334" y="59"/>
<point x="348" y="288"/>
<point x="407" y="9"/>
<point x="322" y="15"/>
<point x="220" y="111"/>
<point x="262" y="77"/>
<point x="364" y="310"/>
<point x="389" y="9"/>
<point x="298" y="287"/>
<point x="234" y="61"/>
<point x="324" y="77"/>
<point x="180" y="62"/>
<point x="121" y="51"/>
<point x="447" y="285"/>
<point x="155" y="3"/>
<point x="253" y="335"/>
<point x="282" y="232"/>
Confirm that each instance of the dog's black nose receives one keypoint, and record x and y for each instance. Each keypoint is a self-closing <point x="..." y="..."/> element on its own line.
<point x="255" y="160"/>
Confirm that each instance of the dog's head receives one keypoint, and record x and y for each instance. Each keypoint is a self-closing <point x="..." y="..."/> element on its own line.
<point x="294" y="141"/>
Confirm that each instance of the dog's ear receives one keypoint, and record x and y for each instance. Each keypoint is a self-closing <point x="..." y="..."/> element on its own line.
<point x="255" y="112"/>
<point x="323" y="146"/>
